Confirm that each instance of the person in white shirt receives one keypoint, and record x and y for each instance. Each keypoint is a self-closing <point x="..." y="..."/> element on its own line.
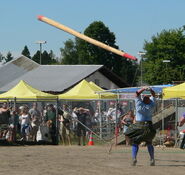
<point x="35" y="116"/>
<point x="24" y="119"/>
<point x="111" y="114"/>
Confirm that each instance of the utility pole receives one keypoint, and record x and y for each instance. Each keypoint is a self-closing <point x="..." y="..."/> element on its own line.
<point x="141" y="54"/>
<point x="40" y="43"/>
<point x="166" y="73"/>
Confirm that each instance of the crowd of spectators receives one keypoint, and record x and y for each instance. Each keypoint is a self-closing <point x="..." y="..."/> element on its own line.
<point x="39" y="122"/>
<point x="33" y="123"/>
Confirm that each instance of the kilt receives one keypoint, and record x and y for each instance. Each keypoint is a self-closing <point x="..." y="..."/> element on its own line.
<point x="141" y="132"/>
<point x="3" y="127"/>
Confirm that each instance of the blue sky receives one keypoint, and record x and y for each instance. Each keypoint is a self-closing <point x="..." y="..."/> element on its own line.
<point x="132" y="21"/>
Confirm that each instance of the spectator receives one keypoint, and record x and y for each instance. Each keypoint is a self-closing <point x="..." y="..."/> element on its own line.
<point x="25" y="122"/>
<point x="35" y="115"/>
<point x="51" y="122"/>
<point x="81" y="130"/>
<point x="65" y="121"/>
<point x="4" y="120"/>
<point x="14" y="123"/>
<point x="74" y="120"/>
<point x="127" y="120"/>
<point x="114" y="113"/>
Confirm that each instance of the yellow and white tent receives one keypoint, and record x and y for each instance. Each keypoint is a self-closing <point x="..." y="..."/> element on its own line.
<point x="23" y="91"/>
<point x="177" y="91"/>
<point x="85" y="91"/>
<point x="100" y="91"/>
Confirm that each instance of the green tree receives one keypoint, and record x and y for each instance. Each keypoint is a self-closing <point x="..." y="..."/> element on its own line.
<point x="2" y="58"/>
<point x="91" y="54"/>
<point x="69" y="53"/>
<point x="82" y="52"/>
<point x="46" y="58"/>
<point x="52" y="57"/>
<point x="26" y="52"/>
<point x="36" y="57"/>
<point x="8" y="57"/>
<point x="167" y="45"/>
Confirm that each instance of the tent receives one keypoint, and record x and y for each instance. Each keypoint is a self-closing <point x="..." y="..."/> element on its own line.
<point x="85" y="91"/>
<point x="157" y="88"/>
<point x="99" y="90"/>
<point x="24" y="92"/>
<point x="95" y="87"/>
<point x="177" y="91"/>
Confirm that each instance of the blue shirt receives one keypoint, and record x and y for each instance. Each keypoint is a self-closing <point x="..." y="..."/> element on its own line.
<point x="183" y="115"/>
<point x="144" y="111"/>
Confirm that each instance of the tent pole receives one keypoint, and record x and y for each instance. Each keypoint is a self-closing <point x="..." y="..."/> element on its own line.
<point x="116" y="123"/>
<point x="14" y="103"/>
<point x="162" y="120"/>
<point x="57" y="124"/>
<point x="99" y="108"/>
<point x="176" y="120"/>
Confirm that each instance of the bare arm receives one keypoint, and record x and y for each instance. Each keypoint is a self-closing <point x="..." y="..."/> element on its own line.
<point x="152" y="92"/>
<point x="182" y="121"/>
<point x="138" y="92"/>
<point x="144" y="89"/>
<point x="123" y="120"/>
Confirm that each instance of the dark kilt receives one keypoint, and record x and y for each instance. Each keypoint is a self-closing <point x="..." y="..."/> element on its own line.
<point x="141" y="132"/>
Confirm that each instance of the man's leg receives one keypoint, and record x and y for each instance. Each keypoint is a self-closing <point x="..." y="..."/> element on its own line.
<point x="151" y="153"/>
<point x="135" y="149"/>
<point x="53" y="135"/>
<point x="79" y="134"/>
<point x="127" y="140"/>
<point x="68" y="136"/>
<point x="62" y="135"/>
<point x="182" y="143"/>
<point x="84" y="136"/>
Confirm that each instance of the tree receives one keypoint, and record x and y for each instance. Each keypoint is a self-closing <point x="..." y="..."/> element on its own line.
<point x="69" y="53"/>
<point x="26" y="52"/>
<point x="167" y="45"/>
<point x="82" y="52"/>
<point x="2" y="58"/>
<point x="52" y="57"/>
<point x="36" y="57"/>
<point x="45" y="57"/>
<point x="8" y="57"/>
<point x="91" y="54"/>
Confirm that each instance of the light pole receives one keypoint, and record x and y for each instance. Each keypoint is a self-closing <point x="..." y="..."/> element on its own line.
<point x="166" y="74"/>
<point x="40" y="43"/>
<point x="141" y="54"/>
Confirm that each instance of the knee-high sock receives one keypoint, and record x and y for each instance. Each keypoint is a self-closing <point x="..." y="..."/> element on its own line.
<point x="151" y="151"/>
<point x="135" y="149"/>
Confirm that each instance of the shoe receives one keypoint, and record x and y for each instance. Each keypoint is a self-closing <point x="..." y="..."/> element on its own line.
<point x="22" y="139"/>
<point x="134" y="161"/>
<point x="152" y="162"/>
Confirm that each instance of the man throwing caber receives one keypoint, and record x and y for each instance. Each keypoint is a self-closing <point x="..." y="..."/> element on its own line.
<point x="142" y="130"/>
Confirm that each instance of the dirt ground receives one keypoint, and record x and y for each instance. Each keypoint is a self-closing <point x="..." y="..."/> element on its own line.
<point x="87" y="160"/>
